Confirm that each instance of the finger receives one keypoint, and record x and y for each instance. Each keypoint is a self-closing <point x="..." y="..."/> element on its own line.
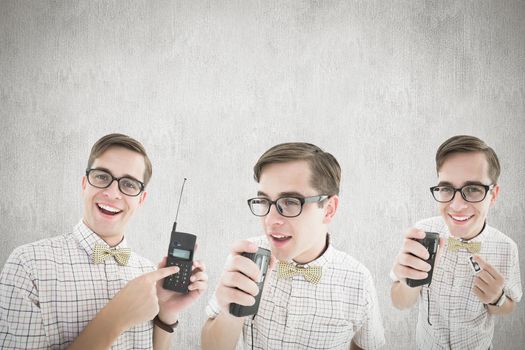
<point x="239" y="297"/>
<point x="478" y="292"/>
<point x="200" y="276"/>
<point x="198" y="265"/>
<point x="244" y="265"/>
<point x="415" y="248"/>
<point x="200" y="285"/>
<point x="162" y="273"/>
<point x="162" y="263"/>
<point x="481" y="284"/>
<point x="415" y="233"/>
<point x="486" y="277"/>
<point x="243" y="246"/>
<point x="414" y="262"/>
<point x="407" y="272"/>
<point x="487" y="267"/>
<point x="226" y="296"/>
<point x="237" y="280"/>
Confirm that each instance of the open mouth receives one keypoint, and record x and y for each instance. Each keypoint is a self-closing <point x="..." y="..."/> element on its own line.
<point x="460" y="219"/>
<point x="279" y="238"/>
<point x="107" y="209"/>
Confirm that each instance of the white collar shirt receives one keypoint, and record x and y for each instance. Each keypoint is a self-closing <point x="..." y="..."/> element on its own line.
<point x="459" y="320"/>
<point x="51" y="289"/>
<point x="296" y="314"/>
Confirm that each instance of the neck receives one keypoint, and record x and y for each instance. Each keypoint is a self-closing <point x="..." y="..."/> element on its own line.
<point x="477" y="234"/>
<point x="111" y="239"/>
<point x="319" y="253"/>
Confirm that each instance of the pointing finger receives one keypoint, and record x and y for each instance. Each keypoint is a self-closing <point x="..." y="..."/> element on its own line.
<point x="162" y="273"/>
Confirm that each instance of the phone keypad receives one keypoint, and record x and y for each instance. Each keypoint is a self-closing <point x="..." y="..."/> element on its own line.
<point x="182" y="277"/>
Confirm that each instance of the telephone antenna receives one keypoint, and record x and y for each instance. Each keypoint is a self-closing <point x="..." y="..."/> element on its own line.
<point x="180" y="197"/>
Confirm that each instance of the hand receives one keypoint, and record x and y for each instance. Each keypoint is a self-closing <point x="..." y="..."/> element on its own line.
<point x="488" y="283"/>
<point x="410" y="262"/>
<point x="171" y="303"/>
<point x="237" y="283"/>
<point x="137" y="302"/>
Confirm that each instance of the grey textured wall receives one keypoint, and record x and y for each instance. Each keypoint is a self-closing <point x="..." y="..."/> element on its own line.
<point x="208" y="86"/>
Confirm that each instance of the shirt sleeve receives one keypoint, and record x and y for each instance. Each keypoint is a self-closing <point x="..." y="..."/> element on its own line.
<point x="371" y="335"/>
<point x="512" y="287"/>
<point x="212" y="309"/>
<point x="21" y="324"/>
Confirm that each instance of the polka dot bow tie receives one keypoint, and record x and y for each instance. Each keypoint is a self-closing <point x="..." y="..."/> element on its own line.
<point x="312" y="273"/>
<point x="454" y="245"/>
<point x="102" y="252"/>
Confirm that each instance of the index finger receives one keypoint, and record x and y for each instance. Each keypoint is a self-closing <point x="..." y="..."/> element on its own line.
<point x="243" y="246"/>
<point x="162" y="273"/>
<point x="415" y="233"/>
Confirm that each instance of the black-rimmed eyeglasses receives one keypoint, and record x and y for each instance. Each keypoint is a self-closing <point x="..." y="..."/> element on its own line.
<point x="470" y="193"/>
<point x="289" y="207"/>
<point x="103" y="179"/>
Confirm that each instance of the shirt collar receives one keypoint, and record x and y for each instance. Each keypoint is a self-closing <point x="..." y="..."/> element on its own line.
<point x="87" y="238"/>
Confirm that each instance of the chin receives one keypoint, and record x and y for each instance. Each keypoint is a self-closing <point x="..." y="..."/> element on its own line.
<point x="463" y="232"/>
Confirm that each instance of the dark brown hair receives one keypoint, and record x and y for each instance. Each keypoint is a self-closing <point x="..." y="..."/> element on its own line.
<point x="120" y="140"/>
<point x="468" y="144"/>
<point x="326" y="172"/>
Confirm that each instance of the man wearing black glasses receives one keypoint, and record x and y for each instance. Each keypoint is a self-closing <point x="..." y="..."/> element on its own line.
<point x="316" y="297"/>
<point x="86" y="289"/>
<point x="476" y="274"/>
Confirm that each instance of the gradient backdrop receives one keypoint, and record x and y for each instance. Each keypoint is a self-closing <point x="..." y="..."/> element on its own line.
<point x="208" y="86"/>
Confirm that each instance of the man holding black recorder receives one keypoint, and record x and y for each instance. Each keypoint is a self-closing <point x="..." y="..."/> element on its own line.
<point x="314" y="296"/>
<point x="86" y="289"/>
<point x="476" y="273"/>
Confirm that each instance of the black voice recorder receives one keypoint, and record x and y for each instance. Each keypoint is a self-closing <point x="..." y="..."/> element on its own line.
<point x="431" y="243"/>
<point x="262" y="259"/>
<point x="180" y="254"/>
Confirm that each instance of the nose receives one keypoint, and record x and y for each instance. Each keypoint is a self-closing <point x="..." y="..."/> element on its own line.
<point x="113" y="191"/>
<point x="458" y="203"/>
<point x="273" y="217"/>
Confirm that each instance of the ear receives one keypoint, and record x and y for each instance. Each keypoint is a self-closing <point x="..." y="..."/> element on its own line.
<point x="330" y="208"/>
<point x="494" y="194"/>
<point x="142" y="197"/>
<point x="84" y="183"/>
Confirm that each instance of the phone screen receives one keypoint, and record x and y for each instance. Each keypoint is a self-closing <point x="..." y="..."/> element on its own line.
<point x="181" y="253"/>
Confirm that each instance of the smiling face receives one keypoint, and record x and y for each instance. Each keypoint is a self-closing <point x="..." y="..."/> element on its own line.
<point x="465" y="220"/>
<point x="107" y="211"/>
<point x="301" y="238"/>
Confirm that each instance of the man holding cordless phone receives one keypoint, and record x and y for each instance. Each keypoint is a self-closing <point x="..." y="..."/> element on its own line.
<point x="86" y="289"/>
<point x="476" y="272"/>
<point x="314" y="296"/>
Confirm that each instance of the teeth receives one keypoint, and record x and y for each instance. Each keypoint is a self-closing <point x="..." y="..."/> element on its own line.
<point x="460" y="218"/>
<point x="279" y="236"/>
<point x="108" y="208"/>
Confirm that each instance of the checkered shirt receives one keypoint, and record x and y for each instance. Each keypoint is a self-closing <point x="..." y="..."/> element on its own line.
<point x="51" y="289"/>
<point x="296" y="314"/>
<point x="459" y="319"/>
